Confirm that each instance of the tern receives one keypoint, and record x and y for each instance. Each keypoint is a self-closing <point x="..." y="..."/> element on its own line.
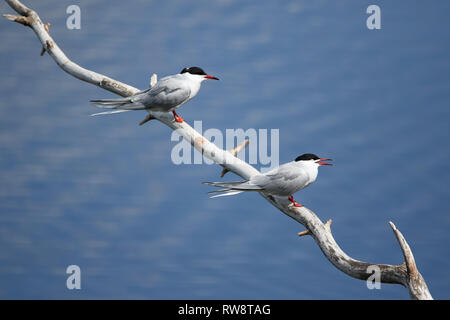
<point x="166" y="95"/>
<point x="282" y="181"/>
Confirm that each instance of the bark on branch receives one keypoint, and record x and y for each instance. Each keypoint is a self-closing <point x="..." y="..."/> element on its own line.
<point x="405" y="274"/>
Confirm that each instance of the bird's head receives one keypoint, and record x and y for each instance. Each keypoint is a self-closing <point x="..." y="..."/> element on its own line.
<point x="197" y="73"/>
<point x="313" y="160"/>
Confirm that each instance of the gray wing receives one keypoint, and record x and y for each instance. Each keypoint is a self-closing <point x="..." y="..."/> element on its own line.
<point x="282" y="181"/>
<point x="167" y="94"/>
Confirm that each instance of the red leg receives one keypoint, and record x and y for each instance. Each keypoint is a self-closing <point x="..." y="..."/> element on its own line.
<point x="177" y="117"/>
<point x="291" y="199"/>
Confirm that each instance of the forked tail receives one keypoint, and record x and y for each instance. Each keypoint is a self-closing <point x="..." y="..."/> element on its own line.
<point x="118" y="105"/>
<point x="232" y="188"/>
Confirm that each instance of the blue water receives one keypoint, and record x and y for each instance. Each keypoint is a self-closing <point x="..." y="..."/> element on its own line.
<point x="102" y="193"/>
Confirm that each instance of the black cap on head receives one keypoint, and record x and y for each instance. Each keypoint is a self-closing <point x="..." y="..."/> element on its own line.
<point x="194" y="70"/>
<point x="307" y="156"/>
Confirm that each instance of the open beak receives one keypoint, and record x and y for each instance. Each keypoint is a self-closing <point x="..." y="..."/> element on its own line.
<point x="324" y="163"/>
<point x="211" y="77"/>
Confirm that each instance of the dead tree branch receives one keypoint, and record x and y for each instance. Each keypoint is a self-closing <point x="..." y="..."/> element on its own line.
<point x="405" y="274"/>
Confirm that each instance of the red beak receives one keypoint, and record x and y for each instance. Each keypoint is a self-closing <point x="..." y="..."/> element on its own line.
<point x="324" y="163"/>
<point x="211" y="77"/>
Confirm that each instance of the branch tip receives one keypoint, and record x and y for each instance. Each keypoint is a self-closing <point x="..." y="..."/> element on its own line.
<point x="153" y="80"/>
<point x="392" y="225"/>
<point x="19" y="7"/>
<point x="303" y="233"/>
<point x="224" y="172"/>
<point x="407" y="253"/>
<point x="239" y="147"/>
<point x="10" y="17"/>
<point x="234" y="152"/>
<point x="26" y="21"/>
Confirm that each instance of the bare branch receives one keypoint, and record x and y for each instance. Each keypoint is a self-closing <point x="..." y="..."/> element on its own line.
<point x="416" y="284"/>
<point x="405" y="274"/>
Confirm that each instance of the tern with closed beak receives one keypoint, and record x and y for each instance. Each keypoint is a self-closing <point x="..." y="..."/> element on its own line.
<point x="166" y="95"/>
<point x="283" y="181"/>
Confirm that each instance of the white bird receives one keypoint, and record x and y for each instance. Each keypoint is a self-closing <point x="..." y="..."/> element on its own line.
<point x="166" y="95"/>
<point x="283" y="181"/>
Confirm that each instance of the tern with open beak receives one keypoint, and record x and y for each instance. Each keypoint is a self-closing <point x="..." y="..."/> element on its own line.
<point x="283" y="181"/>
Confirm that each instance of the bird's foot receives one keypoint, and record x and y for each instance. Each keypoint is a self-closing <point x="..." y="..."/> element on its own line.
<point x="177" y="117"/>
<point x="295" y="203"/>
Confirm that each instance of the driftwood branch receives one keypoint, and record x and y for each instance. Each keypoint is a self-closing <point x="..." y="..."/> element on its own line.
<point x="405" y="274"/>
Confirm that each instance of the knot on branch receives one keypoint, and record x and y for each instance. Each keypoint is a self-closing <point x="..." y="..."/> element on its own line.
<point x="115" y="86"/>
<point x="48" y="46"/>
<point x="153" y="80"/>
<point x="198" y="143"/>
